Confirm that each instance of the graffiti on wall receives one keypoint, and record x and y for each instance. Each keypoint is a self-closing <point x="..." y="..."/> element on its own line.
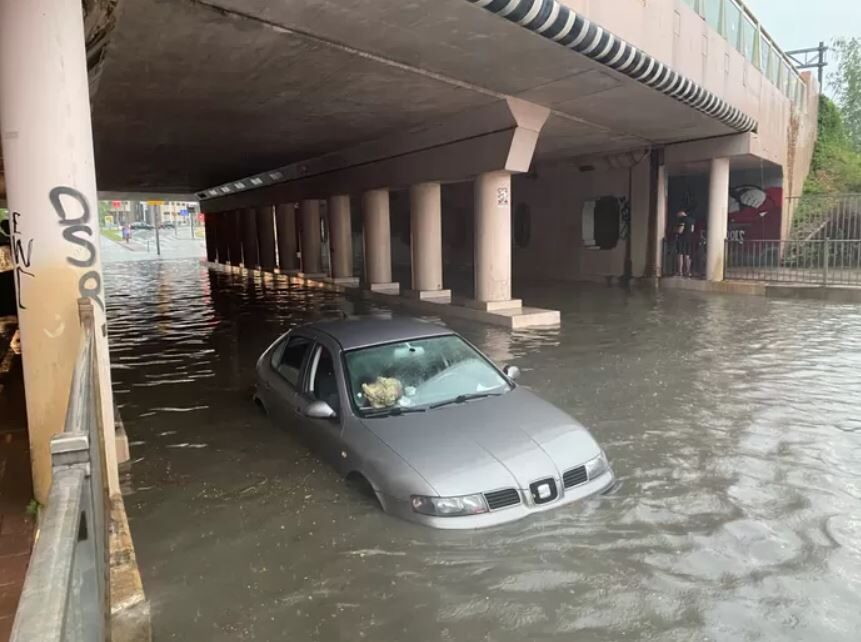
<point x="754" y="213"/>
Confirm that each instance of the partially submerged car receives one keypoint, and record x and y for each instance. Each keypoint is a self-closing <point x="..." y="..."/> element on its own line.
<point x="441" y="435"/>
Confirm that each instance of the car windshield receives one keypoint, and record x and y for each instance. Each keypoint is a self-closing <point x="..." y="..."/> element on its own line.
<point x="419" y="374"/>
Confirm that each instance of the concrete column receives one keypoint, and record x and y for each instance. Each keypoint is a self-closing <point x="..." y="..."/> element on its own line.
<point x="53" y="209"/>
<point x="250" y="250"/>
<point x="718" y="213"/>
<point x="221" y="220"/>
<point x="493" y="241"/>
<point x="341" y="234"/>
<point x="661" y="219"/>
<point x="210" y="230"/>
<point x="310" y="213"/>
<point x="235" y="232"/>
<point x="378" y="241"/>
<point x="285" y="219"/>
<point x="426" y="241"/>
<point x="266" y="237"/>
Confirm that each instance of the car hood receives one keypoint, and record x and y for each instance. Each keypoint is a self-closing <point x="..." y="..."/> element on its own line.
<point x="487" y="444"/>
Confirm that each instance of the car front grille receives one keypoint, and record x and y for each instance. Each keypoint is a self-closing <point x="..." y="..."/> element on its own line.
<point x="502" y="498"/>
<point x="575" y="477"/>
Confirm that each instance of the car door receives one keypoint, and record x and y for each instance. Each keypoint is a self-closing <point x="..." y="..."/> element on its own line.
<point x="322" y="383"/>
<point x="284" y="397"/>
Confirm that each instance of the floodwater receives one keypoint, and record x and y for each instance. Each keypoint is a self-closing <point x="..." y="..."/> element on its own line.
<point x="732" y="423"/>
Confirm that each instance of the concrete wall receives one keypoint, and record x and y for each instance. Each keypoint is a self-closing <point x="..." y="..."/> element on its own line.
<point x="553" y="194"/>
<point x="676" y="35"/>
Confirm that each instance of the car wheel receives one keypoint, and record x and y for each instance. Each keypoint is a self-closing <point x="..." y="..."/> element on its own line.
<point x="361" y="488"/>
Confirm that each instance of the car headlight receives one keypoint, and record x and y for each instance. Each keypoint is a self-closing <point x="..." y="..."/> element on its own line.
<point x="449" y="506"/>
<point x="597" y="466"/>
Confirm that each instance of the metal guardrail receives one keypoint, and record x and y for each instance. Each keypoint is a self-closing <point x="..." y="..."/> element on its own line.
<point x="819" y="262"/>
<point x="66" y="594"/>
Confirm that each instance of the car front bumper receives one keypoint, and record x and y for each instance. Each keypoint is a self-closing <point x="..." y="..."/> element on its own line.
<point x="402" y="508"/>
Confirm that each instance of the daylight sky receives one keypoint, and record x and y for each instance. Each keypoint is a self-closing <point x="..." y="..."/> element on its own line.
<point x="798" y="24"/>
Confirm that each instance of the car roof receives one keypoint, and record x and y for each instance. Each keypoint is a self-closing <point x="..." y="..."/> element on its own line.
<point x="364" y="332"/>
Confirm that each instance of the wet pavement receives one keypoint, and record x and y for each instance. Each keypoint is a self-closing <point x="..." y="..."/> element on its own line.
<point x="732" y="423"/>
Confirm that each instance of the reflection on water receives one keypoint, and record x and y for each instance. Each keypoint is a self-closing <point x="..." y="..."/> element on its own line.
<point x="732" y="423"/>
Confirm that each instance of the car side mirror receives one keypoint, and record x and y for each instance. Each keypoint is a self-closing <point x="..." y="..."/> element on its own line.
<point x="512" y="372"/>
<point x="320" y="410"/>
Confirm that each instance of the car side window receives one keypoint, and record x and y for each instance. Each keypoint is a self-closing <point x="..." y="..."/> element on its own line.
<point x="323" y="384"/>
<point x="289" y="364"/>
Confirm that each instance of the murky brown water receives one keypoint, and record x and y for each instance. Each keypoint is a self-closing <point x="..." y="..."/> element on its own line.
<point x="734" y="425"/>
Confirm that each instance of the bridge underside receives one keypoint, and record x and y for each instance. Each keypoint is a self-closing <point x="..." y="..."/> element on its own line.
<point x="190" y="94"/>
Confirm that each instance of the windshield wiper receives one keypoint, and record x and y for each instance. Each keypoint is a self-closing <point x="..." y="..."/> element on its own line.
<point x="464" y="398"/>
<point x="393" y="412"/>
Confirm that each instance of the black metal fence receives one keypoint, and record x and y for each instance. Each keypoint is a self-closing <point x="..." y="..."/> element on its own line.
<point x="820" y="262"/>
<point x="683" y="258"/>
<point x="821" y="216"/>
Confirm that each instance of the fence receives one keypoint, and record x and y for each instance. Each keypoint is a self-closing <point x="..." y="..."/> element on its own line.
<point x="820" y="262"/>
<point x="67" y="588"/>
<point x="820" y="216"/>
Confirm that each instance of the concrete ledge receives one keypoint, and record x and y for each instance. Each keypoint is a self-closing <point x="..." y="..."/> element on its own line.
<point x="313" y="275"/>
<point x="437" y="296"/>
<point x="130" y="612"/>
<point x="384" y="288"/>
<point x="348" y="281"/>
<point x="834" y="294"/>
<point x="121" y="439"/>
<point x="721" y="287"/>
<point x="491" y="306"/>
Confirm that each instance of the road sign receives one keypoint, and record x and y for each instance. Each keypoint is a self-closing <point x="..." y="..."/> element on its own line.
<point x="183" y="212"/>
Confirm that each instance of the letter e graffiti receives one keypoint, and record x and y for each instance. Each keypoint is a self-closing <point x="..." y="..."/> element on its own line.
<point x="22" y="257"/>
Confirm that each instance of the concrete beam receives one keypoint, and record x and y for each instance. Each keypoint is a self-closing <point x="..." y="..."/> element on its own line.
<point x="500" y="137"/>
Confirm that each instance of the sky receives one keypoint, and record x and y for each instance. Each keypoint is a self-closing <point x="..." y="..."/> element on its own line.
<point x="798" y="24"/>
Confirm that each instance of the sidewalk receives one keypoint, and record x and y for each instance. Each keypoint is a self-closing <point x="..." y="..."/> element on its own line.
<point x="16" y="490"/>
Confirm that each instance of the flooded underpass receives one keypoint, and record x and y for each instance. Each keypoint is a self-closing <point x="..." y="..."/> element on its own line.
<point x="732" y="423"/>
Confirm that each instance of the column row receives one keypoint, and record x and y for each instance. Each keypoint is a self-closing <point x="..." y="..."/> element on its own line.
<point x="250" y="238"/>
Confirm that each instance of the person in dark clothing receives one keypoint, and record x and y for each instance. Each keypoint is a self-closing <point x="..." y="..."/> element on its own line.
<point x="684" y="238"/>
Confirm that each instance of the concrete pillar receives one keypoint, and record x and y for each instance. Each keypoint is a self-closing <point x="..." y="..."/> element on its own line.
<point x="661" y="219"/>
<point x="250" y="250"/>
<point x="493" y="241"/>
<point x="341" y="235"/>
<point x="221" y="223"/>
<point x="235" y="233"/>
<point x="266" y="237"/>
<point x="54" y="214"/>
<point x="309" y="211"/>
<point x="210" y="230"/>
<point x="285" y="219"/>
<point x="378" y="241"/>
<point x="426" y="241"/>
<point x="718" y="213"/>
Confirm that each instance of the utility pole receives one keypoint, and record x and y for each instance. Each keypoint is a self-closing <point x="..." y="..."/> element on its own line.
<point x="155" y="217"/>
<point x="811" y="58"/>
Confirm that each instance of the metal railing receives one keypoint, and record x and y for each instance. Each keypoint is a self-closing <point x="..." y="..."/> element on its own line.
<point x="740" y="27"/>
<point x="820" y="216"/>
<point x="820" y="262"/>
<point x="66" y="591"/>
<point x="687" y="258"/>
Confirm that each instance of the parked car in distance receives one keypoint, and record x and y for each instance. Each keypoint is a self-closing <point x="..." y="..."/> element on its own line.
<point x="441" y="434"/>
<point x="167" y="225"/>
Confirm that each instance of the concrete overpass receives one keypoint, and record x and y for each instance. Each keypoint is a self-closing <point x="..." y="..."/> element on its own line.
<point x="486" y="133"/>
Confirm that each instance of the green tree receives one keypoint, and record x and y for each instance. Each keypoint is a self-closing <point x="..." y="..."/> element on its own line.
<point x="846" y="85"/>
<point x="836" y="166"/>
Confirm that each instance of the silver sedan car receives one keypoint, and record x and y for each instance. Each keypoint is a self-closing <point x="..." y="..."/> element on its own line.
<point x="441" y="435"/>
